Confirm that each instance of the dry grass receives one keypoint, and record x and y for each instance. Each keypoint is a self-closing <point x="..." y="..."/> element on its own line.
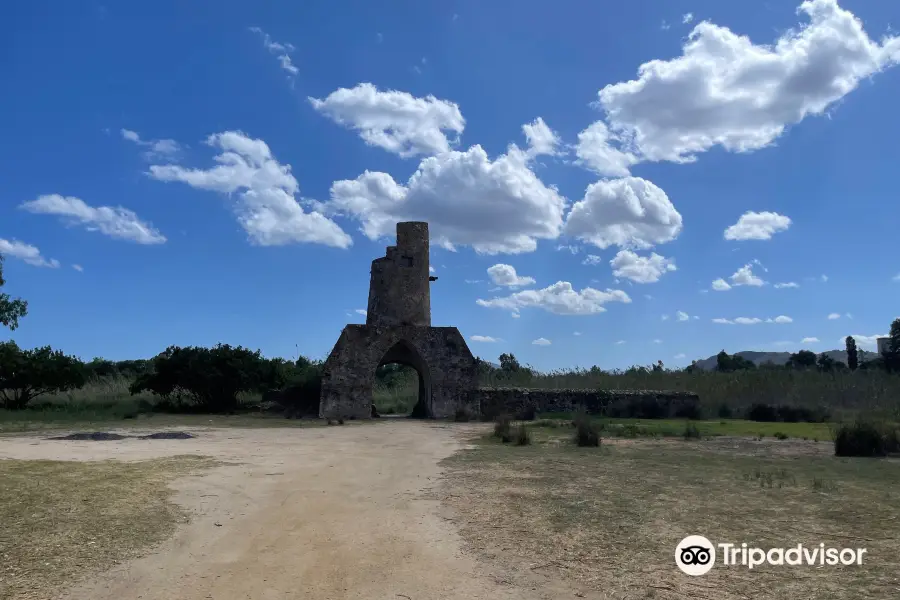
<point x="62" y="520"/>
<point x="609" y="518"/>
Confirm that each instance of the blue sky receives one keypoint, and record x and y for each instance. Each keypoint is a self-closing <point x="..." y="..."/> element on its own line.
<point x="193" y="173"/>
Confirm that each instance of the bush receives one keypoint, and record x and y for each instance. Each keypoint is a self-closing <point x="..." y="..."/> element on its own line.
<point x="462" y="415"/>
<point x="522" y="436"/>
<point x="691" y="432"/>
<point x="725" y="411"/>
<point x="28" y="374"/>
<point x="860" y="439"/>
<point x="587" y="434"/>
<point x="767" y="413"/>
<point x="763" y="413"/>
<point x="503" y="428"/>
<point x="689" y="411"/>
<point x="302" y="394"/>
<point x="526" y="414"/>
<point x="781" y="435"/>
<point x="210" y="379"/>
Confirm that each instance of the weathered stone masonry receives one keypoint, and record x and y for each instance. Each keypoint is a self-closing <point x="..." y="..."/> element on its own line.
<point x="398" y="330"/>
<point x="638" y="403"/>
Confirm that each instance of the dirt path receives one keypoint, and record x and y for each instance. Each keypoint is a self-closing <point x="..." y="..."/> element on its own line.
<point x="326" y="513"/>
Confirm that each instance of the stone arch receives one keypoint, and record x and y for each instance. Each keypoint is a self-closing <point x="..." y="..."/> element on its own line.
<point x="439" y="353"/>
<point x="404" y="352"/>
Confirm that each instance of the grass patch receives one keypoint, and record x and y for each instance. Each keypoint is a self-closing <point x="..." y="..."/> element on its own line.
<point x="610" y="520"/>
<point x="62" y="520"/>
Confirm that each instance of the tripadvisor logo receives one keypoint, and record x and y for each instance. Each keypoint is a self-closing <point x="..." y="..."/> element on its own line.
<point x="696" y="555"/>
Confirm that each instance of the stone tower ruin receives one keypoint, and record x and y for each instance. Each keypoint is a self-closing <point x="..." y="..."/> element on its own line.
<point x="398" y="330"/>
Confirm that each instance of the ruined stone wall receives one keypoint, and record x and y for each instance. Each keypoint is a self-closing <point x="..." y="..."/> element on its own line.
<point x="633" y="403"/>
<point x="439" y="354"/>
<point x="399" y="288"/>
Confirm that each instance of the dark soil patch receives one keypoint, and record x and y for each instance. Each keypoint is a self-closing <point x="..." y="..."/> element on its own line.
<point x="168" y="435"/>
<point x="102" y="436"/>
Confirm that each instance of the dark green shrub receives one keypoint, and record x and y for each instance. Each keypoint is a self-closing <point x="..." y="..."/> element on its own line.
<point x="29" y="374"/>
<point x="462" y="415"/>
<point x="526" y="414"/>
<point x="763" y="413"/>
<point x="210" y="379"/>
<point x="503" y="428"/>
<point x="521" y="437"/>
<point x="767" y="413"/>
<point x="780" y="435"/>
<point x="587" y="433"/>
<point x="892" y="440"/>
<point x="859" y="439"/>
<point x="691" y="432"/>
<point x="689" y="411"/>
<point x="725" y="411"/>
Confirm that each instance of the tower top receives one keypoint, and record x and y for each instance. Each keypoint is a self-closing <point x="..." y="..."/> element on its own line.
<point x="399" y="288"/>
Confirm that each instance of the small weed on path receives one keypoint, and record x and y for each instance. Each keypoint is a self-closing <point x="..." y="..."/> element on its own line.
<point x="61" y="520"/>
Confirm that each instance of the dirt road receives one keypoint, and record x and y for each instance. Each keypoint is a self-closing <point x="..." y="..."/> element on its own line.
<point x="321" y="513"/>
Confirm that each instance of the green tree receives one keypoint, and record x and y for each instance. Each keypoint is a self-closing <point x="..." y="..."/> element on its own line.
<point x="726" y="363"/>
<point x="27" y="374"/>
<point x="852" y="353"/>
<point x="509" y="363"/>
<point x="892" y="353"/>
<point x="805" y="359"/>
<point x="209" y="379"/>
<point x="826" y="364"/>
<point x="11" y="310"/>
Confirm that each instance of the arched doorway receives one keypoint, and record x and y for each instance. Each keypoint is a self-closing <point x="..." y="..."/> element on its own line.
<point x="402" y="383"/>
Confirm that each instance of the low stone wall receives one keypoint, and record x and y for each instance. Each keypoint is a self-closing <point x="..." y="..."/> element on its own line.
<point x="646" y="404"/>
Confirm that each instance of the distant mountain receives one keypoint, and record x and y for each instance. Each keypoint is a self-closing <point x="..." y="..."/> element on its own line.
<point x="781" y="358"/>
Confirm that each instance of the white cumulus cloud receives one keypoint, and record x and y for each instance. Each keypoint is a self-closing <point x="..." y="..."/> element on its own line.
<point x="265" y="189"/>
<point x="641" y="269"/>
<point x="559" y="298"/>
<point x="682" y="316"/>
<point x="26" y="253"/>
<point x="809" y="340"/>
<point x="541" y="139"/>
<point x="743" y="276"/>
<point x="630" y="213"/>
<point x="541" y="342"/>
<point x="495" y="207"/>
<point x="393" y="120"/>
<point x="781" y="319"/>
<point x="725" y="90"/>
<point x="113" y="221"/>
<point x="757" y="226"/>
<point x="789" y="284"/>
<point x="834" y="316"/>
<point x="506" y="275"/>
<point x="483" y="338"/>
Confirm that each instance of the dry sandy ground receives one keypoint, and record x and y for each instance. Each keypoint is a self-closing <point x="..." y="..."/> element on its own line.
<point x="324" y="513"/>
